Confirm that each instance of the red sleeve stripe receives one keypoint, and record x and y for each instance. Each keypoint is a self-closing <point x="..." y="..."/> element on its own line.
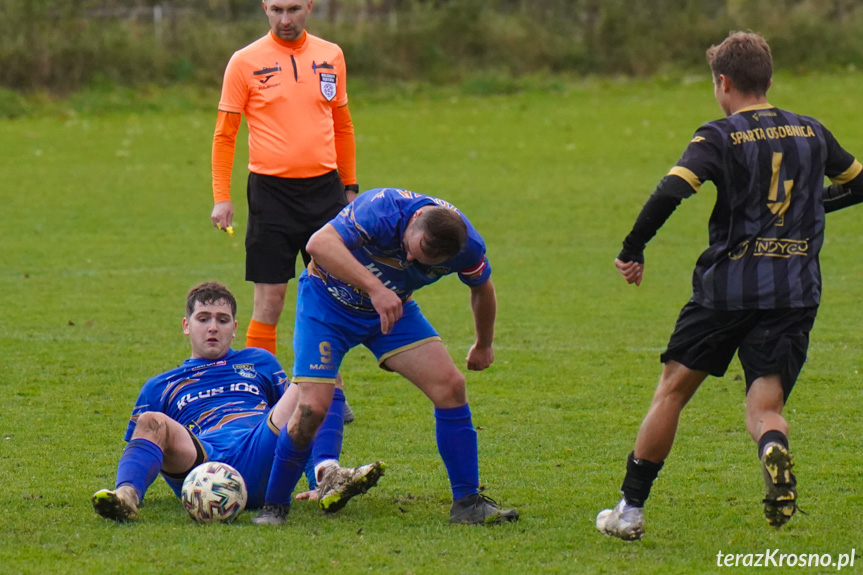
<point x="475" y="270"/>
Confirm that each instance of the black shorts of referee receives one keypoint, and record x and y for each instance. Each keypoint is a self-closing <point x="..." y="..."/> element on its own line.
<point x="767" y="341"/>
<point x="283" y="215"/>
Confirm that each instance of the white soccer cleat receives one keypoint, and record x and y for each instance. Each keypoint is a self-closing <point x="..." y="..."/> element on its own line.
<point x="624" y="521"/>
<point x="339" y="484"/>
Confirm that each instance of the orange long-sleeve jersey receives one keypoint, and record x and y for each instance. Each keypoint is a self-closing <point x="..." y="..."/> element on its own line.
<point x="295" y="100"/>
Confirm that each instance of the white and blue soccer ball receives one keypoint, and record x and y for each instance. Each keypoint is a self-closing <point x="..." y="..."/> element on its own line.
<point x="214" y="492"/>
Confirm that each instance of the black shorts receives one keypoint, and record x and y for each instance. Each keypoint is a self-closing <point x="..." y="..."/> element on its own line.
<point x="767" y="341"/>
<point x="283" y="215"/>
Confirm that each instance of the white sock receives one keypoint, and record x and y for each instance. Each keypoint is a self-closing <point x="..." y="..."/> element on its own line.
<point x="320" y="467"/>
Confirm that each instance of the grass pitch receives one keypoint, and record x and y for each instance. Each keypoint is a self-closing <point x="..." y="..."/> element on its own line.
<point x="106" y="225"/>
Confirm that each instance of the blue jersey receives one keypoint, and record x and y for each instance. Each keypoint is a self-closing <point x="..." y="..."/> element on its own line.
<point x="205" y="395"/>
<point x="372" y="227"/>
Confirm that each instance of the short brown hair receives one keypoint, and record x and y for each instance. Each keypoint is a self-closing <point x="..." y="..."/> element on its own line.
<point x="745" y="59"/>
<point x="444" y="230"/>
<point x="208" y="293"/>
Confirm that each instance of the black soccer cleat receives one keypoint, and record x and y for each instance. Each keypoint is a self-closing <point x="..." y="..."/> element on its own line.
<point x="780" y="500"/>
<point x="272" y="514"/>
<point x="348" y="414"/>
<point x="477" y="509"/>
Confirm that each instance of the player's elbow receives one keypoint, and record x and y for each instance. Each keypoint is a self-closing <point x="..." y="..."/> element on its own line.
<point x="485" y="289"/>
<point x="321" y="242"/>
<point x="313" y="246"/>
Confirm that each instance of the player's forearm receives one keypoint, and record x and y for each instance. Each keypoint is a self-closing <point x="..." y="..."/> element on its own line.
<point x="656" y="211"/>
<point x="224" y="144"/>
<point x="841" y="196"/>
<point x="483" y="303"/>
<point x="328" y="249"/>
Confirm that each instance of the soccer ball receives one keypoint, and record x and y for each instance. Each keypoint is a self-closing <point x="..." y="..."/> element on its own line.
<point x="214" y="492"/>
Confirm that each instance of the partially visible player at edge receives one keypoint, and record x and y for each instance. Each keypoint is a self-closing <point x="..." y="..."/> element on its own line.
<point x="220" y="405"/>
<point x="757" y="287"/>
<point x="366" y="264"/>
<point x="292" y="88"/>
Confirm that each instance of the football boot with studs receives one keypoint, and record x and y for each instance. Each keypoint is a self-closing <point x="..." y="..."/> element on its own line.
<point x="339" y="484"/>
<point x="478" y="509"/>
<point x="780" y="500"/>
<point x="272" y="514"/>
<point x="120" y="505"/>
<point x="624" y="521"/>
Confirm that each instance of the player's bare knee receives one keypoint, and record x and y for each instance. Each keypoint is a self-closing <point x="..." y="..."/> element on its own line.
<point x="303" y="428"/>
<point x="451" y="391"/>
<point x="679" y="400"/>
<point x="274" y="301"/>
<point x="270" y="295"/>
<point x="152" y="426"/>
<point x="457" y="387"/>
<point x="673" y="396"/>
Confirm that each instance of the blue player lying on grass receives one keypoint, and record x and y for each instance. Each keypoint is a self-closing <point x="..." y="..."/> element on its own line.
<point x="366" y="264"/>
<point x="222" y="405"/>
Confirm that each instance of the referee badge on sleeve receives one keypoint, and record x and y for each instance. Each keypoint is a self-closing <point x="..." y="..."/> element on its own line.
<point x="328" y="86"/>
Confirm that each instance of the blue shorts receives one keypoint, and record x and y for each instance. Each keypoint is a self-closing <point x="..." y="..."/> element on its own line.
<point x="325" y="330"/>
<point x="249" y="450"/>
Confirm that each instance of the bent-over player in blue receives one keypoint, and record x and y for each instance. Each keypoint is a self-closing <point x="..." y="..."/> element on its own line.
<point x="219" y="405"/>
<point x="365" y="265"/>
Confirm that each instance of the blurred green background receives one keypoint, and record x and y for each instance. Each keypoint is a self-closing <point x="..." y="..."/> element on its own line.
<point x="63" y="47"/>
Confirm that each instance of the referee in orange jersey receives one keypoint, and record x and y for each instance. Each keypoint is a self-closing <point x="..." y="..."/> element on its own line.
<point x="291" y="86"/>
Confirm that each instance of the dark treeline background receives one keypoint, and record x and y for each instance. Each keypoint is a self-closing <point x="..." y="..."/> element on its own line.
<point x="60" y="46"/>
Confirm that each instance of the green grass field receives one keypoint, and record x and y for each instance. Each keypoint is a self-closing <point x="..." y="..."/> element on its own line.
<point x="105" y="226"/>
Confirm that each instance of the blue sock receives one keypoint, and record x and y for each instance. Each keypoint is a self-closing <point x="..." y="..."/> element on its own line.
<point x="288" y="466"/>
<point x="456" y="442"/>
<point x="310" y="474"/>
<point x="139" y="466"/>
<point x="328" y="441"/>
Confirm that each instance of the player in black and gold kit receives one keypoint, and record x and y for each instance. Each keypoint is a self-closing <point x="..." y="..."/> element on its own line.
<point x="757" y="287"/>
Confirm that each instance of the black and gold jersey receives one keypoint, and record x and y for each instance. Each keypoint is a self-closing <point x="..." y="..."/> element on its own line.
<point x="767" y="227"/>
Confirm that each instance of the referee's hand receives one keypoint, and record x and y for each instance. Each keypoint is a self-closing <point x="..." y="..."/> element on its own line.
<point x="632" y="272"/>
<point x="223" y="215"/>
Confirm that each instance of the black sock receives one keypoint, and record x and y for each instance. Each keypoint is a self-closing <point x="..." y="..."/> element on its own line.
<point x="772" y="436"/>
<point x="640" y="474"/>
